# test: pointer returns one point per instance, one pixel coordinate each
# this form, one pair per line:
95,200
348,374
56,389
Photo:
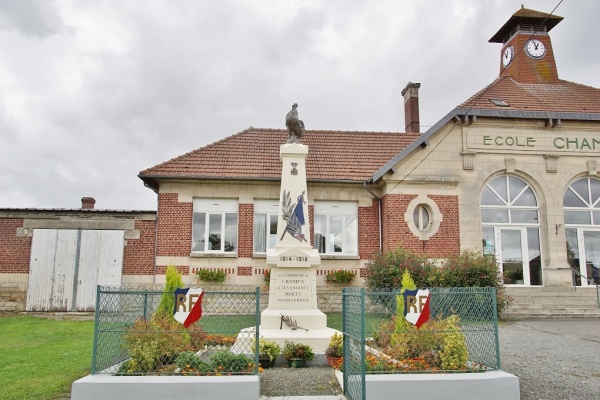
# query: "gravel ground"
556,359
311,381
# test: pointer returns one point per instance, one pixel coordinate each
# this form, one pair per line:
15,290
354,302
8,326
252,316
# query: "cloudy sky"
94,91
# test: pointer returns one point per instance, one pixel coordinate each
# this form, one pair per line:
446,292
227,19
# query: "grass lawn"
42,357
372,322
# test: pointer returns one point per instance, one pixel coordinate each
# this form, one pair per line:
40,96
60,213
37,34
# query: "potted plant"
335,350
339,277
297,354
267,352
211,275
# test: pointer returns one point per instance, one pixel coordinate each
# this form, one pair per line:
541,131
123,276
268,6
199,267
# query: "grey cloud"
30,17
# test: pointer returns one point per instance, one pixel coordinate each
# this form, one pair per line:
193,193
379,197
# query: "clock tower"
527,54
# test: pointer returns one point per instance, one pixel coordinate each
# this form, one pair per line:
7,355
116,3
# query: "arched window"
581,204
510,229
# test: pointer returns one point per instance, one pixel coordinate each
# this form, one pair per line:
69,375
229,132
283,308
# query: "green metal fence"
461,335
354,343
132,338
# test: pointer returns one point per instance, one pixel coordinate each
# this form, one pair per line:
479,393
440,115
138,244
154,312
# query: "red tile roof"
563,96
254,154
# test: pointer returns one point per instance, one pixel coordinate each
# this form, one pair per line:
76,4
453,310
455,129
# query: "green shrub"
340,276
467,269
166,306
267,349
152,343
207,275
414,342
297,350
336,346
227,362
188,361
384,271
454,353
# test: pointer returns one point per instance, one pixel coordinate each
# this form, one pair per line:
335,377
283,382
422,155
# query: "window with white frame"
266,213
421,217
215,226
336,227
511,229
581,204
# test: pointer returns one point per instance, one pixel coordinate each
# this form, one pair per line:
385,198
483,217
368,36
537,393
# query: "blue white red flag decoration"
416,306
293,215
188,305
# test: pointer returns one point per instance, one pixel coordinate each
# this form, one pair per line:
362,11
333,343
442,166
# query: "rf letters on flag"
188,305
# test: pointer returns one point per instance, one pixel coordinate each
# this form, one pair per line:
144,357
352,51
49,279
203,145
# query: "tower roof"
522,17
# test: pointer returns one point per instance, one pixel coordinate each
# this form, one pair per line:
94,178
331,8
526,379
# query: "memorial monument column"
293,262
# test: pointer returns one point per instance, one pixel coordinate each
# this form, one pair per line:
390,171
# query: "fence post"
495,312
257,324
145,305
96,317
363,344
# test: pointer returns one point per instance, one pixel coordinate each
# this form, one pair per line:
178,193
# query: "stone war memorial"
292,313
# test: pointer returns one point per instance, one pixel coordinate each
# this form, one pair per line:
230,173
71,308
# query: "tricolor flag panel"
416,306
188,305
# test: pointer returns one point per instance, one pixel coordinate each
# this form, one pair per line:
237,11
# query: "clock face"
535,48
507,56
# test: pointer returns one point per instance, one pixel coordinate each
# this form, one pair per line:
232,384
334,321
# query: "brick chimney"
87,203
411,108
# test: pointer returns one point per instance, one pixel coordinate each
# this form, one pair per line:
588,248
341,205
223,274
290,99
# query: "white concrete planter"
491,385
109,387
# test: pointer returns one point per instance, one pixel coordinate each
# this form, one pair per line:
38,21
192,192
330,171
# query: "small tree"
400,323
167,301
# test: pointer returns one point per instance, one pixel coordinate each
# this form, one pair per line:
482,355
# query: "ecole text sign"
531,141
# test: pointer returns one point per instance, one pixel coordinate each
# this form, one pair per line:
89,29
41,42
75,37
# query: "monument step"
340,397
302,319
578,302
551,314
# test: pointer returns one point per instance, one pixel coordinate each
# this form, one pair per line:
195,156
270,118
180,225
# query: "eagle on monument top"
294,125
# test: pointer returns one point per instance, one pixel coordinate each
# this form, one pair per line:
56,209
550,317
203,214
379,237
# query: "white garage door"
66,265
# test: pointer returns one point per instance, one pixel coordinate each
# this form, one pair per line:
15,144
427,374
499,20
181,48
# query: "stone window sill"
338,257
213,255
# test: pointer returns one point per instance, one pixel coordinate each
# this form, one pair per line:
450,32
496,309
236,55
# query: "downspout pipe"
380,217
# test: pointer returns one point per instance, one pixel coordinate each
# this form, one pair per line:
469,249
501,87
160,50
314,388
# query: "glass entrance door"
583,251
511,256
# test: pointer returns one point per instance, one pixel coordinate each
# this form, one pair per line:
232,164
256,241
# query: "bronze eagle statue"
294,125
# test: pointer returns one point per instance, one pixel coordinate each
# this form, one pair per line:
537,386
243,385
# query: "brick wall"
138,256
182,269
245,230
14,250
397,234
368,230
174,226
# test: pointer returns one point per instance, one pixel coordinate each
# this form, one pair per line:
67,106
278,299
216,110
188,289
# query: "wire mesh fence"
461,334
354,343
136,333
